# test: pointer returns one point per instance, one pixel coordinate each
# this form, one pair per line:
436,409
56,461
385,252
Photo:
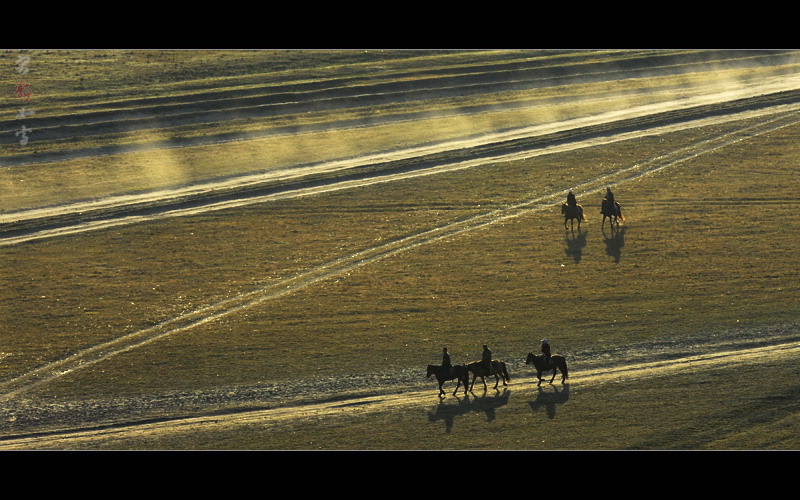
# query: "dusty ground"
133,423
236,415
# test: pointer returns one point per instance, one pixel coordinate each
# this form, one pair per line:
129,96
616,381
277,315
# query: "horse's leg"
539,376
554,375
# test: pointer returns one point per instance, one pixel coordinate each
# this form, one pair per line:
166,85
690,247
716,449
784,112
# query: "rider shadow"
614,243
549,400
486,404
575,245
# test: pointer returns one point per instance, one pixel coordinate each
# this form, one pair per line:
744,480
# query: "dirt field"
291,299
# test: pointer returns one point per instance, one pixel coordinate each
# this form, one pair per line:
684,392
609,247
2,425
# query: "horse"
558,363
478,369
572,213
458,372
613,213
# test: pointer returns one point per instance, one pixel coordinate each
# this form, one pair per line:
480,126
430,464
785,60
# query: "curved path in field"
649,362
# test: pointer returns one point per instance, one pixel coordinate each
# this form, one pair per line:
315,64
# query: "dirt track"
36,224
88,423
222,104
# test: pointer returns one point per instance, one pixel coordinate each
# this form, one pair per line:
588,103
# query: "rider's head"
544,341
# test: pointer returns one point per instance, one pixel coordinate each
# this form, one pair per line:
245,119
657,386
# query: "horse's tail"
619,211
564,369
581,216
505,373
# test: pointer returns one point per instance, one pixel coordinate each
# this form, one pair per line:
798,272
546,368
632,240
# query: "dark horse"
613,213
458,372
557,361
478,369
572,213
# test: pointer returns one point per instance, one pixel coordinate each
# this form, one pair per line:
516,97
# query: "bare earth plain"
276,272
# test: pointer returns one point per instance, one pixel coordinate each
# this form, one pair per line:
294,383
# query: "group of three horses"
499,370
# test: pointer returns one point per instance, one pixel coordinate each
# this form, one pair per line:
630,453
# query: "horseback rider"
448,367
611,202
486,358
571,202
610,196
546,352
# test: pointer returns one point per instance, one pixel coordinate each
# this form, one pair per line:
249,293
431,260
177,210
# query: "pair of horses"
499,370
462,373
612,212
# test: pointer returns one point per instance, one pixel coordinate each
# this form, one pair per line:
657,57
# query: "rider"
610,198
446,362
571,199
546,352
486,358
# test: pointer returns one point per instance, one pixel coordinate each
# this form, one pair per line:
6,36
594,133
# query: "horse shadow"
614,243
575,244
548,400
487,404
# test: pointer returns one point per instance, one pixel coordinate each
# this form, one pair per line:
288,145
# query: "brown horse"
458,372
572,213
614,213
478,369
557,363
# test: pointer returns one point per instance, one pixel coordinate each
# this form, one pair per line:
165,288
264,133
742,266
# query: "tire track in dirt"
416,398
89,356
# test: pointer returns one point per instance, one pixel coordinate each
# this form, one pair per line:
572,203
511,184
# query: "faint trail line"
668,367
389,402
100,352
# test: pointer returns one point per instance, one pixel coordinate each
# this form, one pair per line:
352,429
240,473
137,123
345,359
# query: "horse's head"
530,358
431,370
563,208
